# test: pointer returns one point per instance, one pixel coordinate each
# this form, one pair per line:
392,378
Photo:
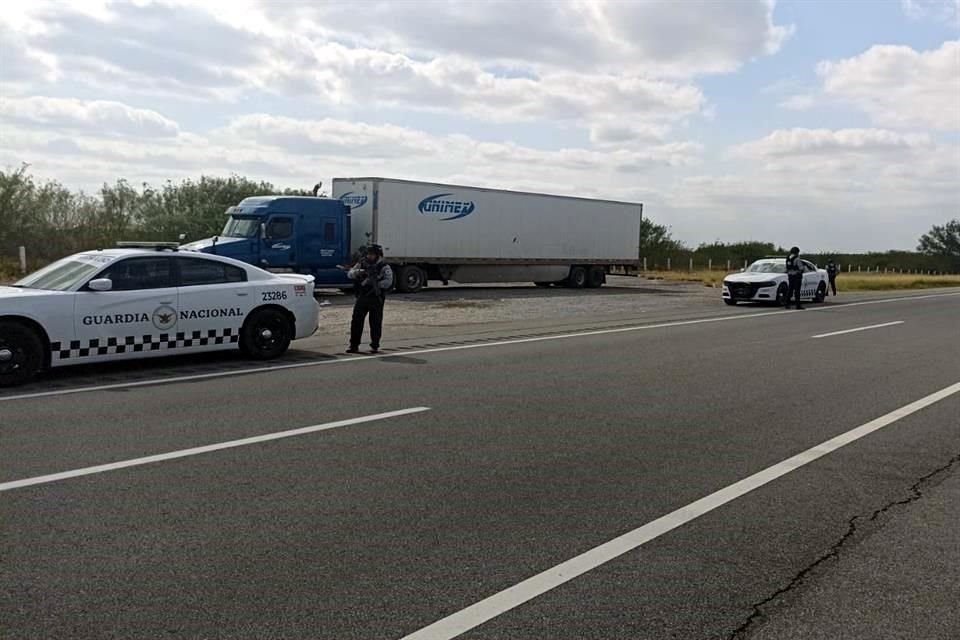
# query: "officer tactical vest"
793,264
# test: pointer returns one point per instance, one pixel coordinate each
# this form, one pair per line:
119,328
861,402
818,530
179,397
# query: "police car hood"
754,277
15,294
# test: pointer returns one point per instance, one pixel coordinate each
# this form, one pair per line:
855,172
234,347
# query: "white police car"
148,300
766,281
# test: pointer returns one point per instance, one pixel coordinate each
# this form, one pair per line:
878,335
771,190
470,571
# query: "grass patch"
845,282
9,272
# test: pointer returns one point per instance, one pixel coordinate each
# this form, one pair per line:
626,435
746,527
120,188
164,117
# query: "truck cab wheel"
266,334
411,279
577,278
21,354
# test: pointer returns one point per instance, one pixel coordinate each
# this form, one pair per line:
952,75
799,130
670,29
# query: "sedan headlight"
764,285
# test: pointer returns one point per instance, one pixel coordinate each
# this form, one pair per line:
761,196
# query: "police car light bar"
159,246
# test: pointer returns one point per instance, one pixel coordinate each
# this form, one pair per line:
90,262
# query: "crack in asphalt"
915,493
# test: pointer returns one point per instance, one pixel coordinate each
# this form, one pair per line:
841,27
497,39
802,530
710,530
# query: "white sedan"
139,302
766,281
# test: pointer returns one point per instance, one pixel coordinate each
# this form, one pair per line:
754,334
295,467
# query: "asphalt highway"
427,487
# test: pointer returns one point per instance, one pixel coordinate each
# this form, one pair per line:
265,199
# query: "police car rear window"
196,271
133,274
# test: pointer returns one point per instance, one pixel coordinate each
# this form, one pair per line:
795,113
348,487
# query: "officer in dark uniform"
372,278
794,276
832,275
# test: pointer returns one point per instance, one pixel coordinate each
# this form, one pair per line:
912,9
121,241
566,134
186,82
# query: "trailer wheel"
596,277
578,278
411,279
21,354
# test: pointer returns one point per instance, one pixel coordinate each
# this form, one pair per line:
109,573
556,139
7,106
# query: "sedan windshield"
768,266
241,227
62,275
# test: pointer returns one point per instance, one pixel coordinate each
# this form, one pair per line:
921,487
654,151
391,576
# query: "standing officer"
832,275
794,276
372,278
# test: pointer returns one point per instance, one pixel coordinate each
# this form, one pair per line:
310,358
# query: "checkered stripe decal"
143,343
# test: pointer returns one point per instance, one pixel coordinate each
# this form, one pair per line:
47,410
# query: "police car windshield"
768,266
62,275
241,227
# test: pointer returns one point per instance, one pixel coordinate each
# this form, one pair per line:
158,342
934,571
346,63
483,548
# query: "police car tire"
821,293
252,343
27,351
782,292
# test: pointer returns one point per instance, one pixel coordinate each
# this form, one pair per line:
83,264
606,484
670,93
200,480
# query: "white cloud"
819,142
900,87
654,37
101,116
292,152
800,102
336,74
946,11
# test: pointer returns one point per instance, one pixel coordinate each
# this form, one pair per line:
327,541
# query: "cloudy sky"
831,124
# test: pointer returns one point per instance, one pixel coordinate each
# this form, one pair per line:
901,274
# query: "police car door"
215,298
135,317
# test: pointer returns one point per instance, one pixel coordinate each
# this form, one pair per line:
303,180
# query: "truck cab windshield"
241,227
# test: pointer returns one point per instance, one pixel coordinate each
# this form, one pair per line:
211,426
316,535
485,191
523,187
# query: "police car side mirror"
101,284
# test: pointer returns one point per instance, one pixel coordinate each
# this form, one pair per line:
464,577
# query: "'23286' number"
271,296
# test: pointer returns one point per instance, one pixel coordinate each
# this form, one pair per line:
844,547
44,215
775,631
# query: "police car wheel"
266,334
782,292
21,354
821,293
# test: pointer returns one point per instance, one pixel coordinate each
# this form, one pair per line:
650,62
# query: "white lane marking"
194,451
867,328
420,352
512,597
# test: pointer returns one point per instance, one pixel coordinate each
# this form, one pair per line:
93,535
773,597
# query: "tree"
656,238
942,240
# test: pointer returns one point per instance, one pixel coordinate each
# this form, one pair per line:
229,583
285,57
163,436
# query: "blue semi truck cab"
299,234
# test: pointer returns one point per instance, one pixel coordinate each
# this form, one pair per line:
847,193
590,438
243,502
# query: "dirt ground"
480,307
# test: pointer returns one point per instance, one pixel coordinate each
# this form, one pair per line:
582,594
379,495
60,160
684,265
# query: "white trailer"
469,235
